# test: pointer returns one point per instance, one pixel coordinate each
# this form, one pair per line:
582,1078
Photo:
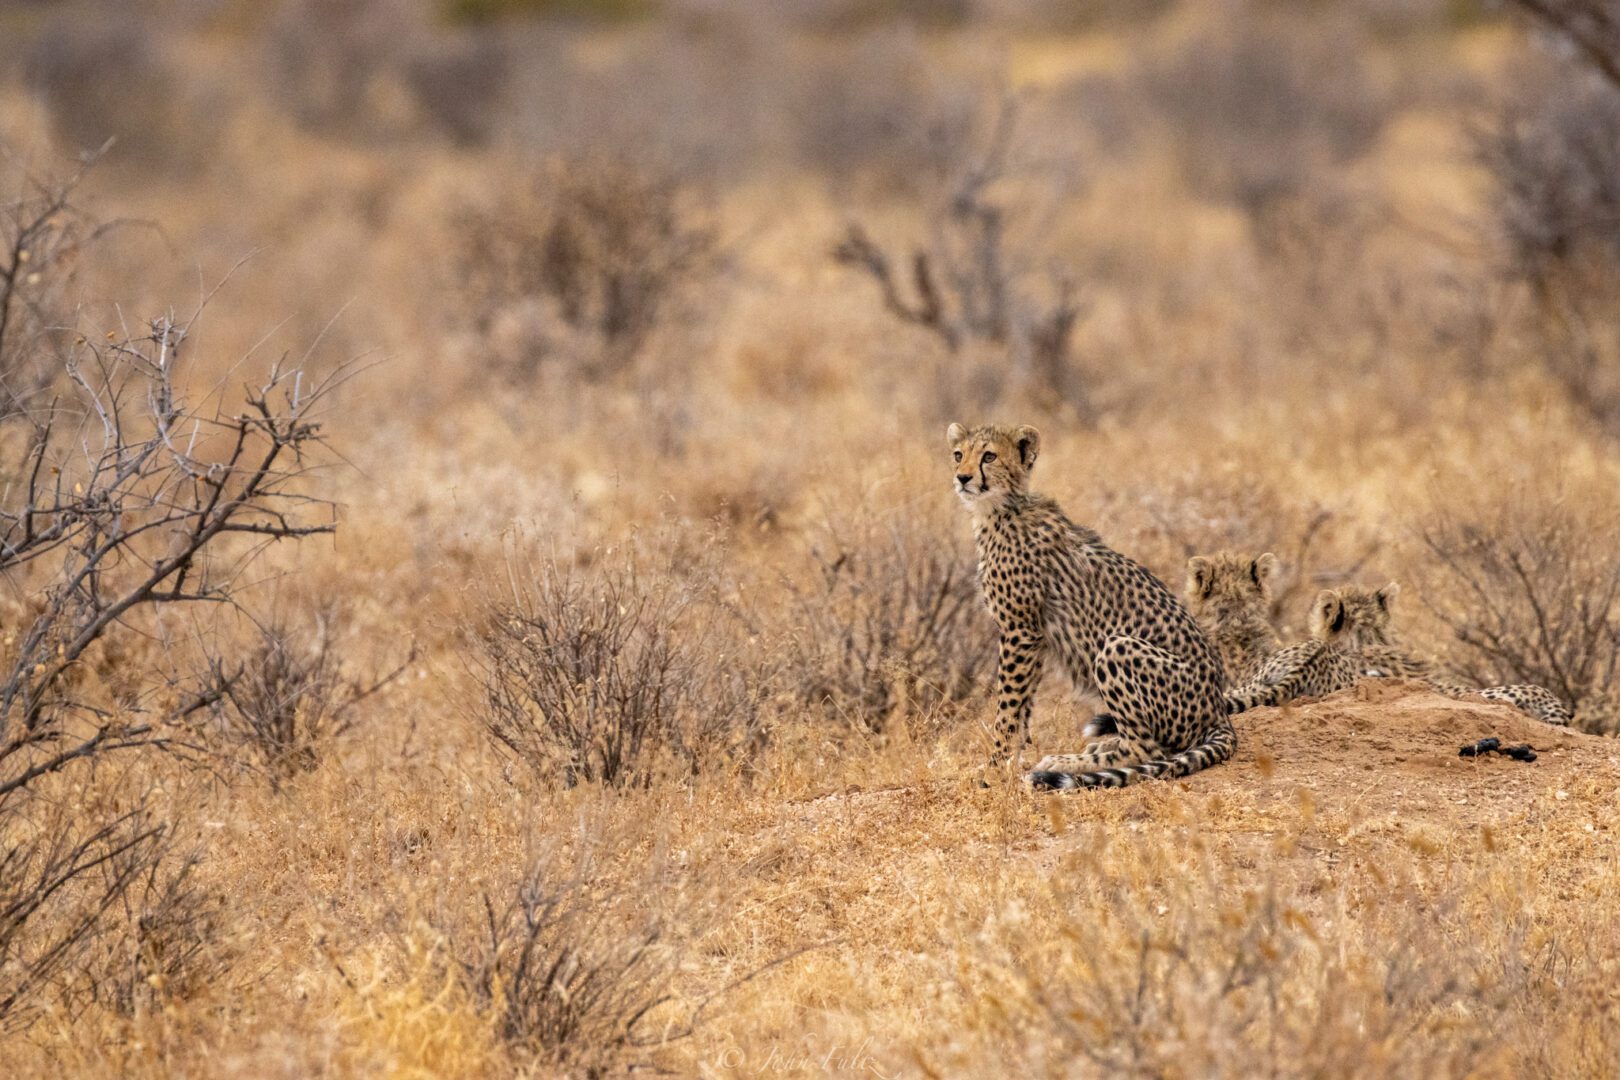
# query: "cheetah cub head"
1224,586
991,462
1355,616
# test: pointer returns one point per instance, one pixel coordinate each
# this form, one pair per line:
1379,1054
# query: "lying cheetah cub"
1328,661
1371,613
1055,589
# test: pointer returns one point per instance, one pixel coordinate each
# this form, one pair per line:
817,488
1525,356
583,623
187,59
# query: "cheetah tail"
1217,746
1255,694
1270,688
1280,681
1534,700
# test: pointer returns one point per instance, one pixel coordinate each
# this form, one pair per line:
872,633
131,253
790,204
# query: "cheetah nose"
963,478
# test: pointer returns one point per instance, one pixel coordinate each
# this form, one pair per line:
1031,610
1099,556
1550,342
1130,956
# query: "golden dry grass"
1346,897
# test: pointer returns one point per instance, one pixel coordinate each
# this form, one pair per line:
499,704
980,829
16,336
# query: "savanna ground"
600,687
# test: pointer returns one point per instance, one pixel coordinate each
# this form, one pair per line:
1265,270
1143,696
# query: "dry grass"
693,563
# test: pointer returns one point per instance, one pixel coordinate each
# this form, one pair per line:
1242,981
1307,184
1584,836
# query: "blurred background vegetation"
638,324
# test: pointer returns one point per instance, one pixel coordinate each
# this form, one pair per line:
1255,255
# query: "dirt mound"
1398,739
1382,723
1370,767
1387,746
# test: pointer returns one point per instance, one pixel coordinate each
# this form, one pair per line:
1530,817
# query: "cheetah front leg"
1018,672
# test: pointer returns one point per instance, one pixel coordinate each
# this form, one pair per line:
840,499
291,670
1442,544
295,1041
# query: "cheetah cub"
1371,613
1230,596
1328,661
1056,590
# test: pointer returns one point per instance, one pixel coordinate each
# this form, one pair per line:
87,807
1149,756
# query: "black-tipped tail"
1217,746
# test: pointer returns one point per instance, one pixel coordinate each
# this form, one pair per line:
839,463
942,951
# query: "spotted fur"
1230,596
1328,661
1371,613
1056,590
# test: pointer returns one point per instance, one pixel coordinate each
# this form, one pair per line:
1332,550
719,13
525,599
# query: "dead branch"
966,284
1591,26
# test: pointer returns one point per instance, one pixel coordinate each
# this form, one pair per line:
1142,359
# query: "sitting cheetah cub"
1372,615
1230,596
1055,589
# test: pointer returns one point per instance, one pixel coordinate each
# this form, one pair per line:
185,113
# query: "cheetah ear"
1029,444
1386,596
955,434
1263,568
1330,611
1198,576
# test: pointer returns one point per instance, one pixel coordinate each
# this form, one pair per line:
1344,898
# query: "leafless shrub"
1553,150
165,946
1555,155
129,490
579,964
59,879
584,957
966,285
1590,27
603,675
289,698
43,236
1257,104
139,497
892,619
121,499
570,975
579,269
1529,586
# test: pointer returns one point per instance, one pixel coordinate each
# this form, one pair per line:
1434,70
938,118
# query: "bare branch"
966,283
1589,25
121,498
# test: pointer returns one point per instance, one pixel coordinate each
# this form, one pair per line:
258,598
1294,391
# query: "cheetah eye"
959,455
989,456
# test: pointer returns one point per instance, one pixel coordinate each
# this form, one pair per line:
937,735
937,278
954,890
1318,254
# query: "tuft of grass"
891,621
607,674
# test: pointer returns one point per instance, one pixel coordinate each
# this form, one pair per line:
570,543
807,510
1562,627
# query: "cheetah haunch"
1055,589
